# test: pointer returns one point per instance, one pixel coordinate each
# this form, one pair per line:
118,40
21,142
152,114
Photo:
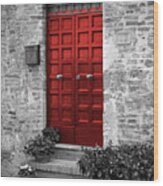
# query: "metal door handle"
78,77
59,76
89,76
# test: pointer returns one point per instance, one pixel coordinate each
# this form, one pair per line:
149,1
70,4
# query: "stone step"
47,174
64,161
68,152
59,166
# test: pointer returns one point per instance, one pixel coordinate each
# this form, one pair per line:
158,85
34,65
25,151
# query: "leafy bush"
42,146
127,162
52,134
39,147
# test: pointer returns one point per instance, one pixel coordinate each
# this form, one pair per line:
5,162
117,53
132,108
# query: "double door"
74,77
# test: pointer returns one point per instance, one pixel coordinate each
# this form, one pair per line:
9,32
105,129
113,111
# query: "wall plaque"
32,55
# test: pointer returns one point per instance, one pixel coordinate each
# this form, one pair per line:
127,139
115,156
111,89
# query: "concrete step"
68,152
64,161
47,174
59,166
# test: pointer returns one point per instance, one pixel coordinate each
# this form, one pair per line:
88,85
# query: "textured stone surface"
23,87
128,72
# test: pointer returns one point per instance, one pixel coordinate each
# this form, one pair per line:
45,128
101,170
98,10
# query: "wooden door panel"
67,23
61,61
67,39
96,70
82,53
83,38
97,37
89,136
82,69
96,54
96,20
53,25
54,117
53,101
53,85
67,100
89,96
84,100
97,101
53,40
83,22
67,70
67,135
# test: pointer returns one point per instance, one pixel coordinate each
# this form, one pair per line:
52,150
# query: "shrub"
127,162
52,134
39,147
42,146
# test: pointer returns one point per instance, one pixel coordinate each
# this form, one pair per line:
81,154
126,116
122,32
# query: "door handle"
78,77
89,76
59,76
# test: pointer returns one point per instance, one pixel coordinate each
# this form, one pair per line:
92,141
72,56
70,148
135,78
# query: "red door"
74,77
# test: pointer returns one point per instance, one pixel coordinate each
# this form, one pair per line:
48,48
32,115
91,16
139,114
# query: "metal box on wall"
32,56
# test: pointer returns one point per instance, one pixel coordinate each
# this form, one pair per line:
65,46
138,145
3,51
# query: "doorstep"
58,166
64,161
71,147
68,151
46,174
68,147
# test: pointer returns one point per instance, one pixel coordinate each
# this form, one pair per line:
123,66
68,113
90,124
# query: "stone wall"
23,87
128,72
